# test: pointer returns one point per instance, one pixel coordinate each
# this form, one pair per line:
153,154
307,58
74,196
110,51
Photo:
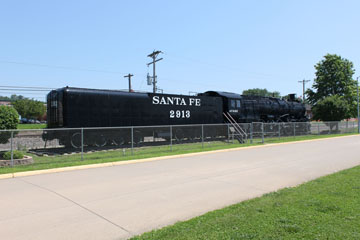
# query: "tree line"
12,98
25,107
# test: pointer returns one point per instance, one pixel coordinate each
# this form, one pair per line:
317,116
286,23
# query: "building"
5,103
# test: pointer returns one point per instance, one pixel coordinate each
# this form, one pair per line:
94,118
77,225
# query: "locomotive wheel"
138,138
100,141
191,137
271,125
76,140
118,141
179,135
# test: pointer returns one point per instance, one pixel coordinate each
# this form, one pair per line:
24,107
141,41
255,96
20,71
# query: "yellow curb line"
110,164
7,175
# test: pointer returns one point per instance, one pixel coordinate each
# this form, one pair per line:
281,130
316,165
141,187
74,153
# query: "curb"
118,163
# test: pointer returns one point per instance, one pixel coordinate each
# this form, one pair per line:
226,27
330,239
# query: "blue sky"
208,45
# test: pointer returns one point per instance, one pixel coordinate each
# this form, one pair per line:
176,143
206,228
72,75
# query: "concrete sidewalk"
121,201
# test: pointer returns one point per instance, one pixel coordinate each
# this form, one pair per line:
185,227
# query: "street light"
357,90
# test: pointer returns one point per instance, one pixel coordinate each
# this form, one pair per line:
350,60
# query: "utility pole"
129,76
357,90
154,55
303,82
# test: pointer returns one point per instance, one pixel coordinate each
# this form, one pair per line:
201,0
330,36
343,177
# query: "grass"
48,162
31,126
326,208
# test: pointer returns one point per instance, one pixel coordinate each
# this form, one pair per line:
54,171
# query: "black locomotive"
86,108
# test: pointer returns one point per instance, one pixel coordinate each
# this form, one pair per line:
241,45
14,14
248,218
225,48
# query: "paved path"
118,202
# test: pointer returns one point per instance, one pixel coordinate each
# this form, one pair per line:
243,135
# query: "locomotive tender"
84,108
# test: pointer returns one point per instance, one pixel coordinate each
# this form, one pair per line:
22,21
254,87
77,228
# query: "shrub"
9,119
331,108
16,155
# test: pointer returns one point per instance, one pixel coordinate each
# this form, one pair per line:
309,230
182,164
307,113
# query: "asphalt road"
121,201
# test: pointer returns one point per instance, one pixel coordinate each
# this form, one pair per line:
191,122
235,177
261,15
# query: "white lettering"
170,100
176,101
155,100
172,114
191,101
163,101
183,102
197,102
180,114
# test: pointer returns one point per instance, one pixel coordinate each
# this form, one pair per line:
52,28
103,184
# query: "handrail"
237,124
229,120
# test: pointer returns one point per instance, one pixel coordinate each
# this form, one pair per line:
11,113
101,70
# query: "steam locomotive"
86,108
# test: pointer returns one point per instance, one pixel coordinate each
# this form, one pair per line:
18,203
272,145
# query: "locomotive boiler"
246,109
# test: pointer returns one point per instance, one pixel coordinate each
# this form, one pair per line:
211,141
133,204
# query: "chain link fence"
61,146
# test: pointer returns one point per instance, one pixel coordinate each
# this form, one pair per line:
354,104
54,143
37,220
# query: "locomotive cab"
232,104
234,108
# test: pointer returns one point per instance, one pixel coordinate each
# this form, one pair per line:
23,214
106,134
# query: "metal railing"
237,129
121,142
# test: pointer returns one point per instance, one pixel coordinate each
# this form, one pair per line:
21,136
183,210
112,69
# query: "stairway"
235,129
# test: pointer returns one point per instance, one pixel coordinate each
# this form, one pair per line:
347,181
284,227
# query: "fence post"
329,127
251,132
228,132
11,148
318,128
294,129
132,140
82,144
202,135
353,126
347,126
170,138
262,132
279,130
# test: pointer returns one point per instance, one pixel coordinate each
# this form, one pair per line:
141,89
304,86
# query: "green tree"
4,98
29,108
9,119
15,97
334,77
331,108
261,92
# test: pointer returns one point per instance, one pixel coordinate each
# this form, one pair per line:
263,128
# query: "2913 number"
180,114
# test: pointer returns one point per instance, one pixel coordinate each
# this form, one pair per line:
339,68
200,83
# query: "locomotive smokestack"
292,96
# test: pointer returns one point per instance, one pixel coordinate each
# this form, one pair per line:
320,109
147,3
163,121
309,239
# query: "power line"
59,67
24,90
223,66
154,78
5,92
45,88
